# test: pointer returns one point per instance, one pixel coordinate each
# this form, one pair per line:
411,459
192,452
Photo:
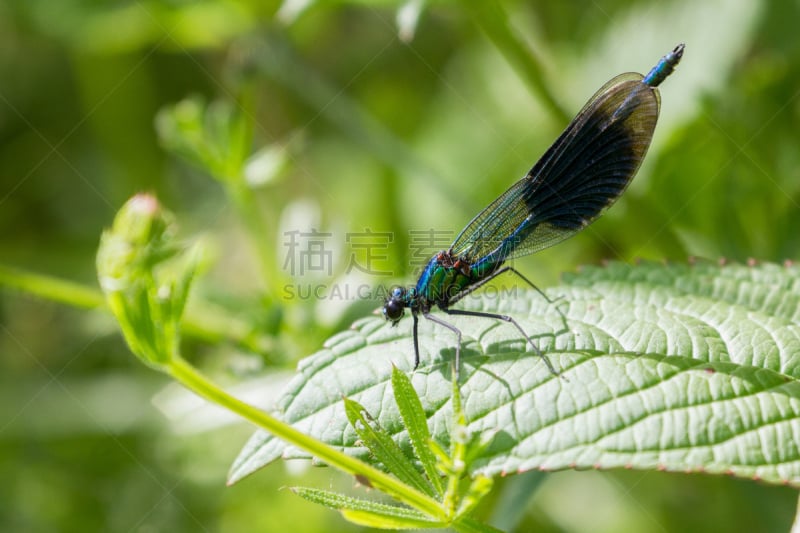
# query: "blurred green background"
392,117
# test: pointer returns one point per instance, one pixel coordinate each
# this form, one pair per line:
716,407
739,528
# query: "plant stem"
50,288
207,326
192,379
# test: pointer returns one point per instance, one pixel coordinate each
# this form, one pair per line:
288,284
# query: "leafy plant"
146,281
689,368
457,500
671,367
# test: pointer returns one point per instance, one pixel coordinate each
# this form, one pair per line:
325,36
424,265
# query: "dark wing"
579,176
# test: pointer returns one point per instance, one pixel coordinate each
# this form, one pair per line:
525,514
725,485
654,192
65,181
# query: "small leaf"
379,521
216,136
385,449
368,513
478,488
337,501
416,424
478,445
689,368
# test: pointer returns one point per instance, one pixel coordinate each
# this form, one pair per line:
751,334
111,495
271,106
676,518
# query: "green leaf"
478,488
689,368
416,423
213,136
378,521
386,451
367,512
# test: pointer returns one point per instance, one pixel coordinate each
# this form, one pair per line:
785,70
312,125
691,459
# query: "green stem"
188,376
206,326
50,288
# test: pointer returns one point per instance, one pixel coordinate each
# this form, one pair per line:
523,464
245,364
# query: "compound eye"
398,293
393,309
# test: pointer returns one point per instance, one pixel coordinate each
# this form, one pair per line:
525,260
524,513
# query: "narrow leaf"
384,448
366,512
379,521
478,488
337,501
416,423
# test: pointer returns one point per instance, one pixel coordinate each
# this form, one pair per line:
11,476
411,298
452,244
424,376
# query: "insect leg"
512,270
455,330
484,281
416,341
540,291
504,318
